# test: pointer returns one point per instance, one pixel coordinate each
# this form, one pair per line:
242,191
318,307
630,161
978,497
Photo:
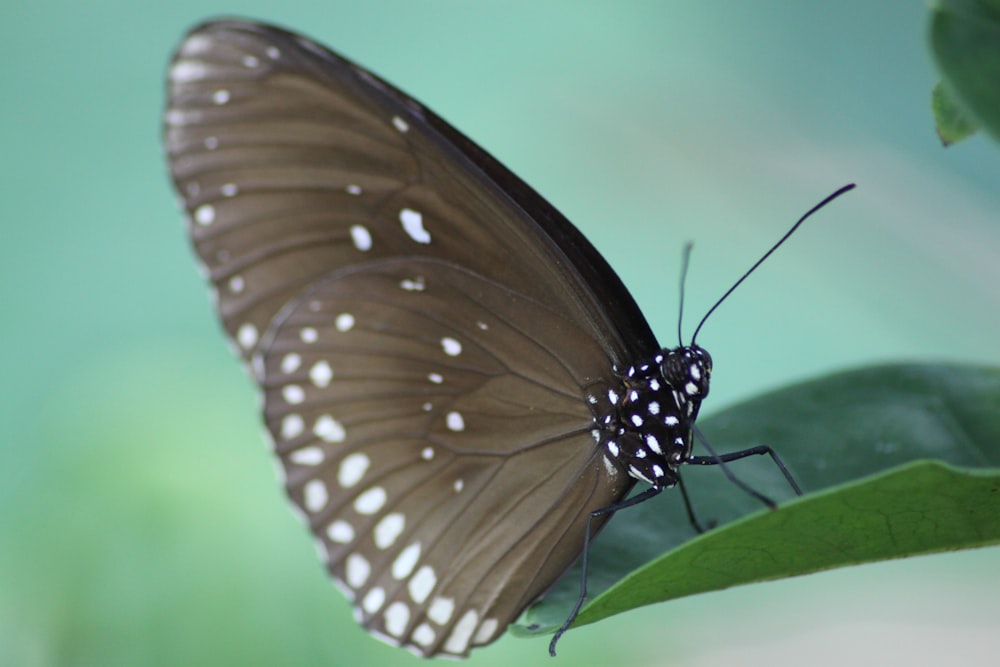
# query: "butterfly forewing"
430,335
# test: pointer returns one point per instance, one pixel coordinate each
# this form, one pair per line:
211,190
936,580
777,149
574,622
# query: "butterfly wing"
430,335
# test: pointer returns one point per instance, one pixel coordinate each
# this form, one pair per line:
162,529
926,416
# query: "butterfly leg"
722,460
585,562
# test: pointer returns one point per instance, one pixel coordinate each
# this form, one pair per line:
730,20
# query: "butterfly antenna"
685,258
830,198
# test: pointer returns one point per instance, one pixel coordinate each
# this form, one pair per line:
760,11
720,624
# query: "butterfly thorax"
647,428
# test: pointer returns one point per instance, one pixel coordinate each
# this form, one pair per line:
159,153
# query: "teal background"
140,521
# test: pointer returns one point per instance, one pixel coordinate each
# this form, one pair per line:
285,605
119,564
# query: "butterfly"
458,387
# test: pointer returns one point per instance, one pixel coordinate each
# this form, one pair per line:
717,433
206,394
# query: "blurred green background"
140,520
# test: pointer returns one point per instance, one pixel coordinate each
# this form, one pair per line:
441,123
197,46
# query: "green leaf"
965,42
895,460
952,122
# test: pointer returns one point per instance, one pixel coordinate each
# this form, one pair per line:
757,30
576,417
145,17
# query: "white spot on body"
396,618
653,444
307,456
613,448
400,124
314,495
344,322
406,561
671,420
340,531
293,394
637,420
691,389
321,373
694,372
440,610
247,336
356,570
388,529
613,396
654,384
292,426
308,335
413,225
461,634
451,346
329,429
362,238
204,214
657,470
654,408
371,501
455,421
422,583
352,469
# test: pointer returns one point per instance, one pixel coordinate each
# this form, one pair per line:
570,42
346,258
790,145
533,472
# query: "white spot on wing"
424,635
400,124
396,618
307,456
353,189
451,346
356,570
413,225
427,453
308,335
344,322
204,214
329,429
352,469
290,362
220,96
321,373
441,610
461,634
273,52
292,426
374,600
422,583
340,531
388,529
455,421
414,285
435,378
236,284
314,495
371,501
185,70
293,394
362,238
406,561
247,336
486,631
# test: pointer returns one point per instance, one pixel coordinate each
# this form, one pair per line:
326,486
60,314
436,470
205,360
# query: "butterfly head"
687,370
